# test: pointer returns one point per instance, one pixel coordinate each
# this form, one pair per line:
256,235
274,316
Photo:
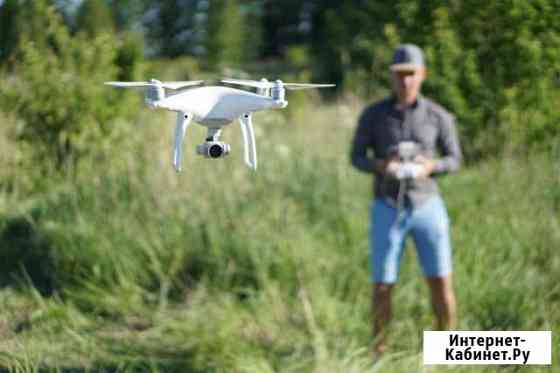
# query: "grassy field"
128,266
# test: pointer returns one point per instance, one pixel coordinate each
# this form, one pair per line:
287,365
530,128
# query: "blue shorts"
429,227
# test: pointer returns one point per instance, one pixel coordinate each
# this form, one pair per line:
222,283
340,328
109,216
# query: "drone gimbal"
212,147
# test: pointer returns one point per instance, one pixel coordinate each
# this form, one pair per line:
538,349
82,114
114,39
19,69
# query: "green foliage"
181,68
494,64
151,270
128,266
128,13
505,60
58,90
329,55
172,28
94,17
252,29
129,56
224,44
8,29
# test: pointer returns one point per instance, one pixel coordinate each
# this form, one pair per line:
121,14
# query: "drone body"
215,107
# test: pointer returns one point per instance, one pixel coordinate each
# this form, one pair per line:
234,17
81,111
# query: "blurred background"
110,261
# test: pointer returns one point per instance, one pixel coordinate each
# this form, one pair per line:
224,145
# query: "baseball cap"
407,57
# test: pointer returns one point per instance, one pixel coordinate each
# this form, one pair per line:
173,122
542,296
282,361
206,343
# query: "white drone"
215,107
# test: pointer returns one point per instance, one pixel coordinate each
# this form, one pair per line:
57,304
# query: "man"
406,194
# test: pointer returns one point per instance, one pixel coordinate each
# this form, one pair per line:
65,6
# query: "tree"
127,14
224,43
8,29
285,23
252,12
58,93
94,17
170,27
494,64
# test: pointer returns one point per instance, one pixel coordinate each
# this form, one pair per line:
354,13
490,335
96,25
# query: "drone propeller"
155,83
296,86
265,84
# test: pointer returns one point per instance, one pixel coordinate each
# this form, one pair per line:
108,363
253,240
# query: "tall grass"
128,266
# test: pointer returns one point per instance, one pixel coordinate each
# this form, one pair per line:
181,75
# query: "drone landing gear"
183,121
249,140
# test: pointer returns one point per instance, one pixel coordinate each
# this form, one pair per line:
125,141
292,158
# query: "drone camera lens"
215,151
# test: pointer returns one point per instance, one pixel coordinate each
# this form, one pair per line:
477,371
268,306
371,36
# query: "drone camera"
213,149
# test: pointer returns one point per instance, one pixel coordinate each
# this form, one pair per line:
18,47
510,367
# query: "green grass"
128,266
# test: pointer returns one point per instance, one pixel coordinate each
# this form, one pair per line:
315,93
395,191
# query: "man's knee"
382,291
441,284
443,301
442,291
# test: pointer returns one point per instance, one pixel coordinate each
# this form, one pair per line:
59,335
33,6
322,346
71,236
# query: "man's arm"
448,141
360,145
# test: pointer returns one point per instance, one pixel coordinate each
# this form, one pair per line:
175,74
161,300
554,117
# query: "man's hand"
387,166
428,165
393,168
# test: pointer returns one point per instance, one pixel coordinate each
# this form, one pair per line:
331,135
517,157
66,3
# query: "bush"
493,64
57,90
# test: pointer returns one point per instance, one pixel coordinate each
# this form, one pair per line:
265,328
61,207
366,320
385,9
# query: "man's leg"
381,312
386,248
430,230
443,301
